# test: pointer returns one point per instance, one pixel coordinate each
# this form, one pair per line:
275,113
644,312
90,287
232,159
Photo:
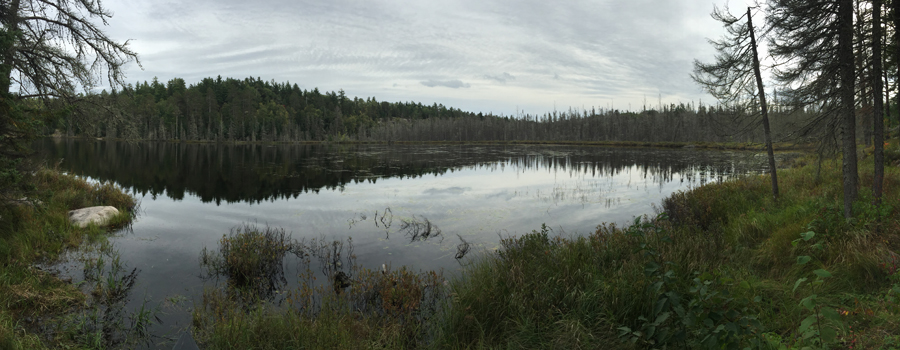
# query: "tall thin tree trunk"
887,90
762,103
878,113
847,110
11,22
896,18
867,114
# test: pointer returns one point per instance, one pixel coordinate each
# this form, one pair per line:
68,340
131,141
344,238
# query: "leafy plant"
819,328
830,219
704,316
891,342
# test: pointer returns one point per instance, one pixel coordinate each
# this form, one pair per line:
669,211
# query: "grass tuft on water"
250,259
351,307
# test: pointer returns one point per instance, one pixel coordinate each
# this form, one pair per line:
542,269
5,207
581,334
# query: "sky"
490,56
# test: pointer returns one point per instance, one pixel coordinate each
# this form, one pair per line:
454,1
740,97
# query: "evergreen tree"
736,74
814,41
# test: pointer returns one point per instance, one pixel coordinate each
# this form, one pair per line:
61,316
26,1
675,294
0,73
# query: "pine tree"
814,42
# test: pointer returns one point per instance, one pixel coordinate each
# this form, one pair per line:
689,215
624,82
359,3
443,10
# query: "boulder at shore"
98,215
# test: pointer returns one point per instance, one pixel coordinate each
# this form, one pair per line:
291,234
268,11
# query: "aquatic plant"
419,229
250,259
105,322
351,307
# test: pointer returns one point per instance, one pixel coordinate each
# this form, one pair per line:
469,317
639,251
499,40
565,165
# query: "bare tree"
50,50
58,48
733,76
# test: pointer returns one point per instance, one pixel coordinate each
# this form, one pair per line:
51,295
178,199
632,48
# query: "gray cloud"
502,78
576,53
453,84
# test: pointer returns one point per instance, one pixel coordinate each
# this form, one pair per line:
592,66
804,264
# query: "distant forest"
225,110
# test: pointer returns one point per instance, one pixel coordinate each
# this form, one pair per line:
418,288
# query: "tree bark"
896,19
878,113
11,22
865,88
847,106
764,109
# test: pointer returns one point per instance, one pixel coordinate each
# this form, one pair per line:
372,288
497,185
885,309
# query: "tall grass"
349,307
39,231
250,259
541,292
721,256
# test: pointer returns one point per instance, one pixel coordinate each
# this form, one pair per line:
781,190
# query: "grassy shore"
724,267
38,230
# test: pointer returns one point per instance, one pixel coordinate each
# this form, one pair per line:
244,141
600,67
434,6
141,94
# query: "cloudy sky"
477,55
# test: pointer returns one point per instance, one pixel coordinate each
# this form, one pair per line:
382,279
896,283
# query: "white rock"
98,215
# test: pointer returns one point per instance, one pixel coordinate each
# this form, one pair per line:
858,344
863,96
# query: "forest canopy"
227,109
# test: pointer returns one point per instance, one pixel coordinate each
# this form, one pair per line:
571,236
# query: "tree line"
836,65
217,109
254,110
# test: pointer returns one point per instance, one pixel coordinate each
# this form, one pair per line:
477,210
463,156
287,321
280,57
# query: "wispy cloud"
501,78
453,84
532,56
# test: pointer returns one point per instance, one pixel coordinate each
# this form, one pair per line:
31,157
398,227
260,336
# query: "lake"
412,205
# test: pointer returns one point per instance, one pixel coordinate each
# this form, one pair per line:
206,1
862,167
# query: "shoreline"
741,245
36,306
735,146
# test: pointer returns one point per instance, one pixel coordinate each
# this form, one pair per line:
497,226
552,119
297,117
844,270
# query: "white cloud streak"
484,56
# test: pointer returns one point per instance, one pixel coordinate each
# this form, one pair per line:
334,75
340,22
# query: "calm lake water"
192,194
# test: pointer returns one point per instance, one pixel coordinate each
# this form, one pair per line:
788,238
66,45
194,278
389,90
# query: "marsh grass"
250,259
37,230
336,304
105,322
723,253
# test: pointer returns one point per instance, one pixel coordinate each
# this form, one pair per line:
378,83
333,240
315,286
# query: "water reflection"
109,317
255,173
399,205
